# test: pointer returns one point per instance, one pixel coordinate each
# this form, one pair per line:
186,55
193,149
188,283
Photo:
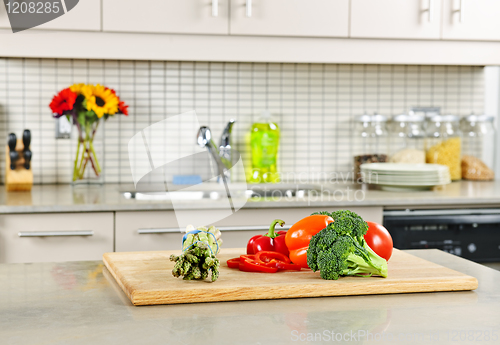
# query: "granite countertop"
80,303
109,197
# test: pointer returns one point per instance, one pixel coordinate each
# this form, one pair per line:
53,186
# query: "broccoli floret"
352,223
322,213
340,249
338,214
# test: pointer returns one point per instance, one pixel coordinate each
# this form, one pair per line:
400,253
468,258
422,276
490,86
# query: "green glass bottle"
264,144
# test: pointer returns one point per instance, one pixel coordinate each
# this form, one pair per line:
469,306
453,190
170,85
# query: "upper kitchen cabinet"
408,19
314,18
85,16
471,20
167,16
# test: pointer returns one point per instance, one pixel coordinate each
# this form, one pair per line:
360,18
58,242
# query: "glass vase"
87,167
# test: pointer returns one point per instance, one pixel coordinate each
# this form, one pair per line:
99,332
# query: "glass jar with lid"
406,139
370,140
443,144
478,153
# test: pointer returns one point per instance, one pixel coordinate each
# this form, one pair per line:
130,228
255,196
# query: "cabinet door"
156,230
471,19
4,20
167,16
85,16
408,19
55,237
320,18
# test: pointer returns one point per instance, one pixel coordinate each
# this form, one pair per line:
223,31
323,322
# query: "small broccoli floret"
322,213
340,249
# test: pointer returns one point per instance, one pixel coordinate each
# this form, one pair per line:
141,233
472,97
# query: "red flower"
123,108
63,101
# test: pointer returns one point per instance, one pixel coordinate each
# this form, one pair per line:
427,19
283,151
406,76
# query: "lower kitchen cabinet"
53,237
158,230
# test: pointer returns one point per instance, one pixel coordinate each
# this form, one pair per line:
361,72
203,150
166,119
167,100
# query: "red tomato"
379,240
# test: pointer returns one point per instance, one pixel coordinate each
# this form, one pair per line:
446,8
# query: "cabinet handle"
431,11
55,233
249,8
221,228
460,11
215,8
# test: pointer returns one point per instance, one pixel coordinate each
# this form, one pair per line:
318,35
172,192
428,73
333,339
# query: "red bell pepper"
298,237
272,241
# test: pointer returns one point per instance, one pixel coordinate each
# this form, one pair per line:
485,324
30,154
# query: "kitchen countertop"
109,197
80,303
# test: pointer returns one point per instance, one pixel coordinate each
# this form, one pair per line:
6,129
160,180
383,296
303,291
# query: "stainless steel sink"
216,192
175,195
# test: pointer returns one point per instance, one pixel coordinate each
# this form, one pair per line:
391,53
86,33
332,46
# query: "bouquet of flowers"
87,104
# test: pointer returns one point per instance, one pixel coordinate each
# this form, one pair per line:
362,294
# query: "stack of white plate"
399,176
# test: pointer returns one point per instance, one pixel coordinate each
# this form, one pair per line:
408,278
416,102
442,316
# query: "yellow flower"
100,100
87,90
77,88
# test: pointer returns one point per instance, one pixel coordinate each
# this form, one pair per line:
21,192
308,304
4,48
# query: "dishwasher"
473,234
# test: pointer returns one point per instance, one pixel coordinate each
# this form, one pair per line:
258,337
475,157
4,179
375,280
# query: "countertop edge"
393,204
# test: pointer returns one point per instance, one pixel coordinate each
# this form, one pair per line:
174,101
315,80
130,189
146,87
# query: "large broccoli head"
340,249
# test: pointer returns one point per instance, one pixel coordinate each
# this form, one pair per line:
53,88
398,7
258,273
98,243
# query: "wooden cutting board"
146,279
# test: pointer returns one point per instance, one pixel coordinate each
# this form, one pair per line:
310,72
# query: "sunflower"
100,100
77,88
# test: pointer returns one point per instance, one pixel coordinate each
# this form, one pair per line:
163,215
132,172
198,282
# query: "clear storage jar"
406,139
478,153
443,143
370,140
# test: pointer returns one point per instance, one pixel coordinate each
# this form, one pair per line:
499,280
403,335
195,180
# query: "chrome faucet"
222,154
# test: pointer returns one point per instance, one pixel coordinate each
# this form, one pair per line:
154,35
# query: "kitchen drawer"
156,230
55,237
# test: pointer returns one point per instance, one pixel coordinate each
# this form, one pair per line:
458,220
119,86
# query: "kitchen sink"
216,192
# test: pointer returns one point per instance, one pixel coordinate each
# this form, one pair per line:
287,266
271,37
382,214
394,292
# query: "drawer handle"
222,228
55,233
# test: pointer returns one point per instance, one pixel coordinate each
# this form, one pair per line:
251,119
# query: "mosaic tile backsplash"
312,103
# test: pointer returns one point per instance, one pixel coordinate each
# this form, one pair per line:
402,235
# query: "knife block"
20,179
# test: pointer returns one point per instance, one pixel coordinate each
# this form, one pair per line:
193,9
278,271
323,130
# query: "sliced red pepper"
247,257
287,267
268,256
255,266
233,263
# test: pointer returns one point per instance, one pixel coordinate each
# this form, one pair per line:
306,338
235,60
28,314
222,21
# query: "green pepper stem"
272,233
